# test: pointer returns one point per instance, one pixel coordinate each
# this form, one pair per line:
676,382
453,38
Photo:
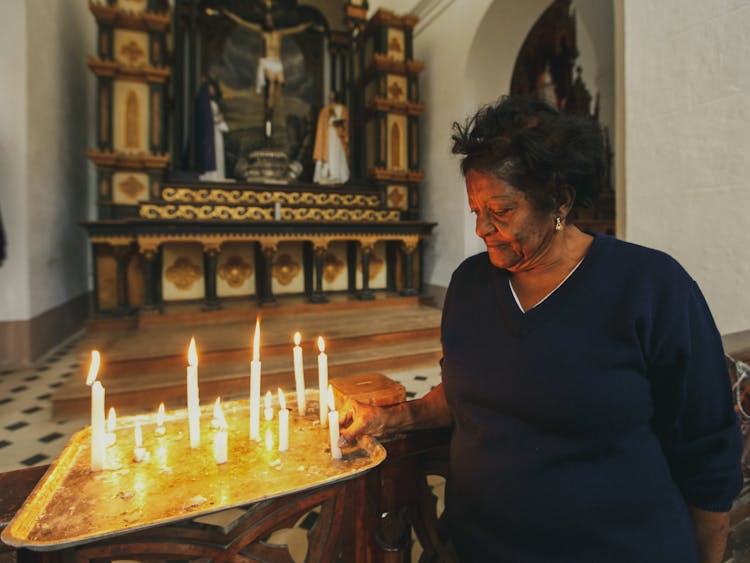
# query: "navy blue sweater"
584,427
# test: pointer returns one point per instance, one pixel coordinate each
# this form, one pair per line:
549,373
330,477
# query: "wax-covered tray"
73,505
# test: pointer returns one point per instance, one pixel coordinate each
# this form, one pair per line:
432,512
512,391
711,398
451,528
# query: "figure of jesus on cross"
270,68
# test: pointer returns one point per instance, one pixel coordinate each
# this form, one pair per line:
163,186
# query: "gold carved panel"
335,271
130,116
131,47
182,272
136,6
397,86
396,46
377,267
396,137
398,197
106,277
129,188
286,273
236,270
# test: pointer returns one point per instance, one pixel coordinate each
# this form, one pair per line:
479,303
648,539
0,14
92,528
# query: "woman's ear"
564,200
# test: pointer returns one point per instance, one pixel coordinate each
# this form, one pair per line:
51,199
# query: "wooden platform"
144,360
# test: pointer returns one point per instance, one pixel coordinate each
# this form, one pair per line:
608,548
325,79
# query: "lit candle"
268,412
193,400
220,439
218,414
111,426
299,375
322,380
283,423
98,437
333,426
255,385
269,439
139,452
160,430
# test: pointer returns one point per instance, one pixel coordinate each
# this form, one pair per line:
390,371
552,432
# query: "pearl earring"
558,223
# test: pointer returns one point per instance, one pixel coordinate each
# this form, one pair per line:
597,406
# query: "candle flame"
256,340
269,399
111,420
160,415
331,404
94,367
282,400
138,434
297,338
192,353
321,344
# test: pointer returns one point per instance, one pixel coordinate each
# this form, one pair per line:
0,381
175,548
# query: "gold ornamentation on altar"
394,45
132,52
397,197
395,90
332,215
285,269
332,267
183,273
244,213
131,187
235,271
223,195
132,132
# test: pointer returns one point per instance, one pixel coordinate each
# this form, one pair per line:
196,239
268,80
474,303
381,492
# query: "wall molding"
24,342
428,11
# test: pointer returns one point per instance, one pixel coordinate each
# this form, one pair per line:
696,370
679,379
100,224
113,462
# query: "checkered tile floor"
29,435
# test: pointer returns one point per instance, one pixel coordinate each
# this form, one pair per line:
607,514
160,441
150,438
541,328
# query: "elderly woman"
584,376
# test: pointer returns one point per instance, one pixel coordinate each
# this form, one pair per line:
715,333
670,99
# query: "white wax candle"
98,437
193,400
299,375
220,446
111,426
268,412
333,426
160,430
255,386
283,423
269,439
322,381
139,452
268,128
218,414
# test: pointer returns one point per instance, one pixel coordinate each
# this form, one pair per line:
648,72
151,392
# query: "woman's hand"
357,419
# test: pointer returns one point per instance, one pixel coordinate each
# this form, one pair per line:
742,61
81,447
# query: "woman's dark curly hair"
534,148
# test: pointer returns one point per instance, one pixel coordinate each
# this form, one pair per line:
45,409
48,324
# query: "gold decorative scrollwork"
235,271
223,195
332,267
183,273
317,214
132,51
285,269
224,212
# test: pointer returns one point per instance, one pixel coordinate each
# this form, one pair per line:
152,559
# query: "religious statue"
270,68
331,150
210,128
545,88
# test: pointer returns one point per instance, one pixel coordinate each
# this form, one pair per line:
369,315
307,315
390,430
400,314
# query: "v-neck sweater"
584,426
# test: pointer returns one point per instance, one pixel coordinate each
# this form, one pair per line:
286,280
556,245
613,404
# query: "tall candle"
160,430
255,385
268,412
193,400
139,452
269,439
220,439
322,380
299,375
111,426
283,423
98,438
333,426
218,414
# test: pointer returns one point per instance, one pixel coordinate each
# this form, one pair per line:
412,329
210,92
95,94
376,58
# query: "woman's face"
516,233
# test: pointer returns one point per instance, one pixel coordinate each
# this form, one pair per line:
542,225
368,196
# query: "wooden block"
371,388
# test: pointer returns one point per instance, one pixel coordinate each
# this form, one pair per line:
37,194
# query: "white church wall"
14,202
687,114
60,38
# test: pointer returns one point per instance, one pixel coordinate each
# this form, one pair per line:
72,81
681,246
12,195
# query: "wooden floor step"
142,392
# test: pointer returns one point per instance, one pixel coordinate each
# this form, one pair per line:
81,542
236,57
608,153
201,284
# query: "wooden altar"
163,236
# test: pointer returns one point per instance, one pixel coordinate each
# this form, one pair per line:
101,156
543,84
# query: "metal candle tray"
72,505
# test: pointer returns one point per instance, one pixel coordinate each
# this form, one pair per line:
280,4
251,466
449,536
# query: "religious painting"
267,101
